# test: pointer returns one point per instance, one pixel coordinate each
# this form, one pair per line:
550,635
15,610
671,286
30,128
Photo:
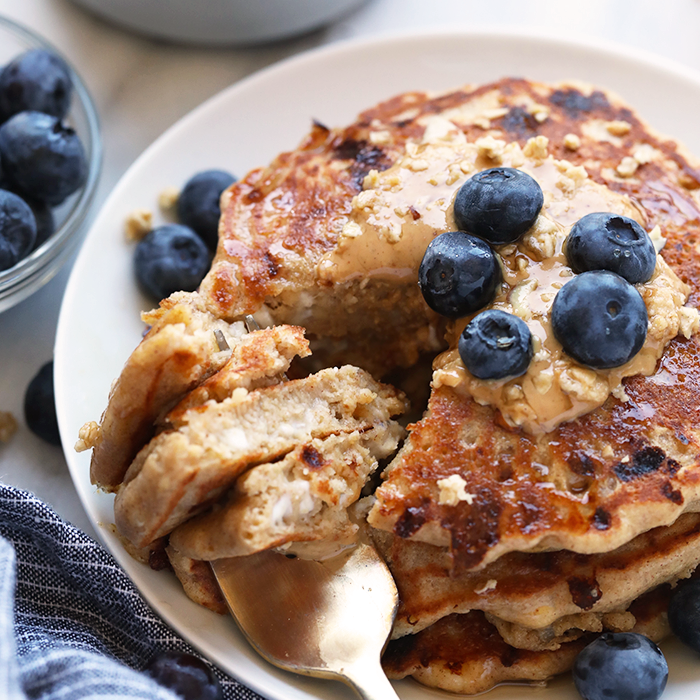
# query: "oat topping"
536,147
618,128
572,142
627,167
87,436
167,200
453,490
138,223
8,426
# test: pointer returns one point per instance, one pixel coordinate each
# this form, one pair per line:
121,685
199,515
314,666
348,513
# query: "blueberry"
495,345
40,407
17,229
184,674
622,666
600,319
605,241
198,203
169,259
499,204
684,614
41,157
459,274
43,215
36,81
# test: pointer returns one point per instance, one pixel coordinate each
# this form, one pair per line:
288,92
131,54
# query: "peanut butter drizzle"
403,208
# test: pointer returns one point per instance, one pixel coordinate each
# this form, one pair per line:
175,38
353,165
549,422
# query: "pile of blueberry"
175,257
599,317
42,160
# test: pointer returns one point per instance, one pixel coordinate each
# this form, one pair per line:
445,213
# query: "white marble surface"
141,87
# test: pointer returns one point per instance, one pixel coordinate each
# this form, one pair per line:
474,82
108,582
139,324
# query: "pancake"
465,653
304,497
589,484
536,590
191,464
177,353
282,224
519,518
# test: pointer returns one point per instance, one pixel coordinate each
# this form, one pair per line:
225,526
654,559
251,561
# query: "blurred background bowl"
219,22
32,272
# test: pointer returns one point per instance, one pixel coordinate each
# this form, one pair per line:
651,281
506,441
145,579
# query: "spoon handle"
371,683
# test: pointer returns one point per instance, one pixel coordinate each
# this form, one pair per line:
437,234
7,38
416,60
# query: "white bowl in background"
221,21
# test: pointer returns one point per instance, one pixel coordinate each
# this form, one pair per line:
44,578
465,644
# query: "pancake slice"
189,466
303,497
178,352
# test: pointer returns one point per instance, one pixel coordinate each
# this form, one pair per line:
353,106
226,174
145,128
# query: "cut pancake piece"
178,352
588,486
190,466
466,654
260,359
303,497
537,590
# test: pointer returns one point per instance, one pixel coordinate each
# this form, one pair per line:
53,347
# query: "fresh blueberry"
499,204
603,241
40,407
198,203
184,674
600,319
495,345
684,614
169,259
622,666
459,274
17,229
41,157
43,215
36,81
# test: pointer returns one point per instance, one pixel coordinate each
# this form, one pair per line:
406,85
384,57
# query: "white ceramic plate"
243,127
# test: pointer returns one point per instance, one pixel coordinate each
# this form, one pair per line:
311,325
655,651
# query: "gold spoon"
328,619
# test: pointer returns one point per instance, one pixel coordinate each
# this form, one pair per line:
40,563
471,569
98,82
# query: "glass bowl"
30,273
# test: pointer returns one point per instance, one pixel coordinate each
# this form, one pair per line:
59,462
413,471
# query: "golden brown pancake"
191,464
623,468
536,590
465,654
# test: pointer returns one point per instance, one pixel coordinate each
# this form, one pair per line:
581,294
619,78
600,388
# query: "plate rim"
548,40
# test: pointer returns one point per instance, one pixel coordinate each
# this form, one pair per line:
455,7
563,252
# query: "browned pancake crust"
465,653
535,590
300,202
592,496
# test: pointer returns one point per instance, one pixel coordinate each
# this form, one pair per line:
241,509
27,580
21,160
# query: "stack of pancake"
511,546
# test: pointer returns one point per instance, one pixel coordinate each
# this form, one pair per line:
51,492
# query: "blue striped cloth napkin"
72,625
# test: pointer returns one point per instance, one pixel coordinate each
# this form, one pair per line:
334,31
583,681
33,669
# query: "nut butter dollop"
401,209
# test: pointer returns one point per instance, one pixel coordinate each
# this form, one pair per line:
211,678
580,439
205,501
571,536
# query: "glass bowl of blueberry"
50,157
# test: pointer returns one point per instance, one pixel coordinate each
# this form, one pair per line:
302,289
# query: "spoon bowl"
328,618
